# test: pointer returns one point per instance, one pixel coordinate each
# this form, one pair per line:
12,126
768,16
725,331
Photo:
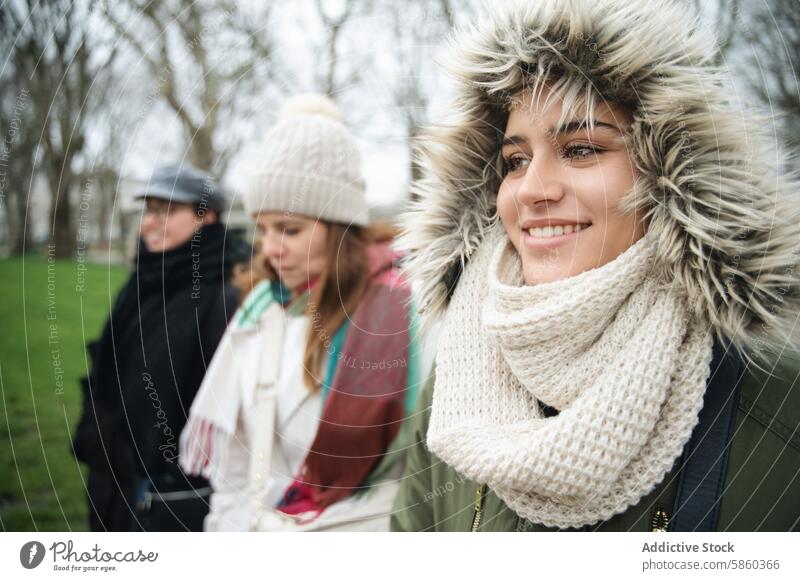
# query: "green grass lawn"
49,310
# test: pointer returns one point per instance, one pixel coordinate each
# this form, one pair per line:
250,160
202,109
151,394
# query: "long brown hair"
336,295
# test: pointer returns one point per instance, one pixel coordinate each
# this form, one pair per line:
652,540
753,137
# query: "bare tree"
52,49
725,16
19,134
17,160
334,24
408,90
447,11
209,61
417,28
102,177
333,27
773,37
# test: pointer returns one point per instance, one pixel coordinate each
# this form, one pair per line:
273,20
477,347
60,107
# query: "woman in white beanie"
296,424
611,251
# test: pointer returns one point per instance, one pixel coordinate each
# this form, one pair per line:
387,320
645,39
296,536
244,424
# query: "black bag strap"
705,458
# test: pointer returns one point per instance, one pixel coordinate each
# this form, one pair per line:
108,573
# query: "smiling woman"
562,186
607,257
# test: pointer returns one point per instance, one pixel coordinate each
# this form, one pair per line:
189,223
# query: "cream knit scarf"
616,354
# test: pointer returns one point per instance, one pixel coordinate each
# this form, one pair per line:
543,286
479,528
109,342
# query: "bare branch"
774,37
194,81
447,10
123,31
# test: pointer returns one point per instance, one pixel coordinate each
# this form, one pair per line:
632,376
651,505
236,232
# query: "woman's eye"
291,231
580,151
514,163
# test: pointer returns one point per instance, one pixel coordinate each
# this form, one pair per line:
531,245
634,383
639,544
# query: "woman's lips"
551,236
283,270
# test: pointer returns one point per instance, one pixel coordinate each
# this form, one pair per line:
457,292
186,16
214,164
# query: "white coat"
236,369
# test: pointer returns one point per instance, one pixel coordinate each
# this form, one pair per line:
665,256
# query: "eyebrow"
579,125
280,224
569,127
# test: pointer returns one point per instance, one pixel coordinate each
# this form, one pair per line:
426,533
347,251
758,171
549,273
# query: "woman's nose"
271,245
543,182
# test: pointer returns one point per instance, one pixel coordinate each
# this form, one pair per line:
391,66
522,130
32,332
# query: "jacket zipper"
476,520
660,521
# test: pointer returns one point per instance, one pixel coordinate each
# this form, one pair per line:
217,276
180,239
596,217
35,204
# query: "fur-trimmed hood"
726,221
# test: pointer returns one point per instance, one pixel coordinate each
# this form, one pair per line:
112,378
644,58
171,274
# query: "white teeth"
551,231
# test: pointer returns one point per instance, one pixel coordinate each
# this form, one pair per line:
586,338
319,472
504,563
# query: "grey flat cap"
185,183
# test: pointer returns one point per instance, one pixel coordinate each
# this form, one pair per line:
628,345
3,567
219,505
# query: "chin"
289,283
533,275
160,247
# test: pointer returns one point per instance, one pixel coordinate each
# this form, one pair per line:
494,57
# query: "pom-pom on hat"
309,165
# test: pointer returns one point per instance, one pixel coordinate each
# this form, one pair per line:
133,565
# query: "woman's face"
167,225
561,189
294,246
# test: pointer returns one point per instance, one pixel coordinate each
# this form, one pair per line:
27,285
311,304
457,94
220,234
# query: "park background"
94,94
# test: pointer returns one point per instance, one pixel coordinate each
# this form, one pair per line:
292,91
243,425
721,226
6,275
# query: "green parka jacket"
761,486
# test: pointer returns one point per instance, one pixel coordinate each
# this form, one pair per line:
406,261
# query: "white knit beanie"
309,165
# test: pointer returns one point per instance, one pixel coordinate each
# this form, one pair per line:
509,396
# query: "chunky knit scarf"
616,354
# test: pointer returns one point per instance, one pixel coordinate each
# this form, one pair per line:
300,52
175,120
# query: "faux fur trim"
727,222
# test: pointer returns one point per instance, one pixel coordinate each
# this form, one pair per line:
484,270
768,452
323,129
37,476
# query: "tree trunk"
201,149
415,168
19,227
62,234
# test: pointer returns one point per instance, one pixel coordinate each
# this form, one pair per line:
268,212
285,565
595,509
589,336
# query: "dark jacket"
761,490
146,369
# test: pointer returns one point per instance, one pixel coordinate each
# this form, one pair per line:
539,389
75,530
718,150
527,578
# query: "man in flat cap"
151,357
